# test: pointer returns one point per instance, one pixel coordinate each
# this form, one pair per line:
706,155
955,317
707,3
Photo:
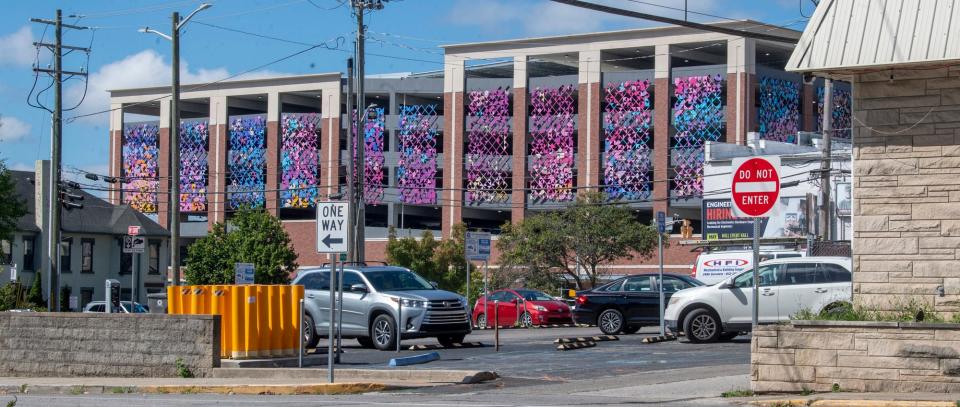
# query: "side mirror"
359,288
515,300
726,284
435,285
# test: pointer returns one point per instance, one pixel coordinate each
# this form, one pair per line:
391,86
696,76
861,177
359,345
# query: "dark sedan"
626,304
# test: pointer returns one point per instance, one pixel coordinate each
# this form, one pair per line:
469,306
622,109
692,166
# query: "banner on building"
789,219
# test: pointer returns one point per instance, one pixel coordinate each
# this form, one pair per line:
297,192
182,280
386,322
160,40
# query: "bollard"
496,325
399,321
300,354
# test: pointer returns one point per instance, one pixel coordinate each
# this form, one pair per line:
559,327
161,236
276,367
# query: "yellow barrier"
256,320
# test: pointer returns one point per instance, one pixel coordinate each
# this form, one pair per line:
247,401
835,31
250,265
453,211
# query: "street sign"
661,222
478,245
134,244
755,185
331,227
74,302
133,230
13,272
243,273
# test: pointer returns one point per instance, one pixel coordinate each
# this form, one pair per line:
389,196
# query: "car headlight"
408,303
674,300
540,308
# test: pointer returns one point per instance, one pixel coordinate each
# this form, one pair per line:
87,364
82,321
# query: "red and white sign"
755,186
133,230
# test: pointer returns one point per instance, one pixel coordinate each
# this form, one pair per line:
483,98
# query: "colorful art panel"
141,176
373,147
487,158
697,118
246,162
779,114
299,160
627,127
194,144
551,144
417,168
842,113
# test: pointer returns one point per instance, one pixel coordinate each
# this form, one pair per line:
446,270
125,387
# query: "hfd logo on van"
725,263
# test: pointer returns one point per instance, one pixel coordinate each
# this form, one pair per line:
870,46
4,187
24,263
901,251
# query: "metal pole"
361,134
135,281
56,146
174,199
351,169
825,164
339,311
330,321
300,354
467,264
496,326
399,321
756,270
486,276
663,327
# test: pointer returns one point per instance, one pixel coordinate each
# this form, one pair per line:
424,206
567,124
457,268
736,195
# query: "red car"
526,306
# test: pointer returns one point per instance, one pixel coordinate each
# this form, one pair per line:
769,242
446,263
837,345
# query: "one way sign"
331,227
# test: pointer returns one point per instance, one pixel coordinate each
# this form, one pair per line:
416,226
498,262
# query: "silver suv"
372,298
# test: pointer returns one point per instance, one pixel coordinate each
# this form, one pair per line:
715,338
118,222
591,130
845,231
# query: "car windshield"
397,280
534,295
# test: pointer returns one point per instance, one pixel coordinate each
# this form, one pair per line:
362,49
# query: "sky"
409,31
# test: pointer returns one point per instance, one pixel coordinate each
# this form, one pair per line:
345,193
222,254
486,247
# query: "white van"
714,267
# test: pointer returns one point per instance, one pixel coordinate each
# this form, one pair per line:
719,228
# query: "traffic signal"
113,295
67,197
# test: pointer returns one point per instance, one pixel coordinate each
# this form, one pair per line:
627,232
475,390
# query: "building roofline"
232,84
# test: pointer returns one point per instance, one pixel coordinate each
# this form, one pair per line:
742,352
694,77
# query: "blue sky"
410,30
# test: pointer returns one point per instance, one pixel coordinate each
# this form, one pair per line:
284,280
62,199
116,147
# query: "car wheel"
310,337
383,331
526,320
482,321
726,336
365,342
630,329
450,340
701,325
610,321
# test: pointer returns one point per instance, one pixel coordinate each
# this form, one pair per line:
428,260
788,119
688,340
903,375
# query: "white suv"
787,286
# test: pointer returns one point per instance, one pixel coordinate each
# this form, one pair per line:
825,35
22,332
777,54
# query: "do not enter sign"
755,186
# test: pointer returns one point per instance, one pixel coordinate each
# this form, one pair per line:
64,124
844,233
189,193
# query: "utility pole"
825,162
56,144
351,170
359,8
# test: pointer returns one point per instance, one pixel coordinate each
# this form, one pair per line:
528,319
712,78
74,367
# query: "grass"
835,388
737,393
183,370
23,388
806,392
12,403
121,390
77,390
899,310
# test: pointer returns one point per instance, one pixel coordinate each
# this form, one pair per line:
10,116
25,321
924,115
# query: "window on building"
66,245
126,263
86,256
28,248
86,295
6,252
124,294
154,267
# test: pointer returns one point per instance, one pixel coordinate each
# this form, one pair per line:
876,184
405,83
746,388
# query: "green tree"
35,295
12,295
441,261
591,232
12,206
253,236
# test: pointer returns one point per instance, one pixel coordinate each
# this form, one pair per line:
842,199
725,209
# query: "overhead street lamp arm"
152,31
202,7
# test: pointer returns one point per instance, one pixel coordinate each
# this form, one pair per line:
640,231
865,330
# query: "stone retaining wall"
124,345
858,356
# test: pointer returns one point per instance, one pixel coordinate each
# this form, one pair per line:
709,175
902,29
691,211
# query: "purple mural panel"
417,168
779,113
551,144
373,170
140,166
842,113
246,162
194,136
627,126
697,118
299,160
487,161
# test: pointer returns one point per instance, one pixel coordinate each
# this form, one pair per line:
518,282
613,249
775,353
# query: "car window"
788,255
99,308
835,273
497,296
769,275
638,284
349,279
318,280
673,284
509,296
801,273
614,286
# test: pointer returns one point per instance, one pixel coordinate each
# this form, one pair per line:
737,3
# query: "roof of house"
96,217
849,35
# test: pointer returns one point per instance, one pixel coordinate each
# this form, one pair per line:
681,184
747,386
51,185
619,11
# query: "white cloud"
13,129
143,69
16,49
18,166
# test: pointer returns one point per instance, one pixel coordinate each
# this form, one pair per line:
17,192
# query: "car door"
736,302
509,307
316,289
838,286
354,307
798,290
640,301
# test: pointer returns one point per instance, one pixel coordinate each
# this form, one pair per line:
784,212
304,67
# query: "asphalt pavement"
533,373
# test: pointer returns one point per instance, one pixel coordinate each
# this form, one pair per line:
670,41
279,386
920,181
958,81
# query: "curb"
852,403
360,375
246,389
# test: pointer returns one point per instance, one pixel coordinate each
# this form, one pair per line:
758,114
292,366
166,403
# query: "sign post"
243,273
755,189
134,245
661,229
332,228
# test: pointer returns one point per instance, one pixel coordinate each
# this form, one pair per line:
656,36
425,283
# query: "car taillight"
581,300
693,270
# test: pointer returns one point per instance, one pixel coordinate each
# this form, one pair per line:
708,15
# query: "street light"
174,198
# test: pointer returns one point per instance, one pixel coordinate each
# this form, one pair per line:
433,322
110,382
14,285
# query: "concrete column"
163,188
217,161
809,108
116,151
662,90
518,197
588,129
330,140
451,198
741,88
272,158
